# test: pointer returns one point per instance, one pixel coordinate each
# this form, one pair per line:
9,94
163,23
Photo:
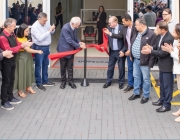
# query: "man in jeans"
41,36
142,63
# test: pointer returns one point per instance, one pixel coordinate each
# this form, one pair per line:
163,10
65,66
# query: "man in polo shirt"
41,36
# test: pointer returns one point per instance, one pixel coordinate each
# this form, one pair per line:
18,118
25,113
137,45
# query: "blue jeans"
138,73
130,72
41,64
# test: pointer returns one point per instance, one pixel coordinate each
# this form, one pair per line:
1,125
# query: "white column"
130,8
3,14
47,9
175,10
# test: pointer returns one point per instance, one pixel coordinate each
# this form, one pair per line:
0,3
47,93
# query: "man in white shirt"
41,36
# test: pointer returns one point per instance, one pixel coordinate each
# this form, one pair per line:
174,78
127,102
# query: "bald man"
116,54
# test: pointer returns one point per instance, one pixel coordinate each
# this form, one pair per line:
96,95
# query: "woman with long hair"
175,54
24,73
58,15
101,23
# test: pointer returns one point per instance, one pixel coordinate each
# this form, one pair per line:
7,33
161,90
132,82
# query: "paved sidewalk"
86,113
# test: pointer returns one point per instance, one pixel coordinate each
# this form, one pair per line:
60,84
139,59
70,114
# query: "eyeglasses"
165,14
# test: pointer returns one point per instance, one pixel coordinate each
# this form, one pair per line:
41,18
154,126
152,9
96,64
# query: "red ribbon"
102,48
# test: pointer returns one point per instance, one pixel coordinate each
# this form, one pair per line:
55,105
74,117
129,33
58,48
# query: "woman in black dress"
58,15
101,23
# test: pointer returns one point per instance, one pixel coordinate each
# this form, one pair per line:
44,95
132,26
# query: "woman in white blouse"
175,54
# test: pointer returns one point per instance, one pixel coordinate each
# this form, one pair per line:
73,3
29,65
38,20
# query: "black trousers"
100,35
166,88
59,18
67,64
113,58
8,76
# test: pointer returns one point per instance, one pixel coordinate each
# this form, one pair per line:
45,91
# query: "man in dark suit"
127,33
165,63
69,41
116,54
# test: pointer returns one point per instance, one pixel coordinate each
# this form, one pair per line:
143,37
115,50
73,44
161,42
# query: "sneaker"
49,84
41,87
15,101
7,106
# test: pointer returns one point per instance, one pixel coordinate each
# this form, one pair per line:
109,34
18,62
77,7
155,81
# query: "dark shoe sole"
125,91
134,98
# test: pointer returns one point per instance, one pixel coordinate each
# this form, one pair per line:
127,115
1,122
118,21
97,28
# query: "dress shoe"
72,85
144,100
107,85
162,109
63,85
176,113
127,89
121,86
133,97
158,103
177,119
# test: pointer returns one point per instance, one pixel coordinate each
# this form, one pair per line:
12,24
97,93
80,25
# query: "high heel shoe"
29,89
176,113
21,94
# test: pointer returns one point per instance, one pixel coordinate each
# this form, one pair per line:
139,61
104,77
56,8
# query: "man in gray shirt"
41,36
150,16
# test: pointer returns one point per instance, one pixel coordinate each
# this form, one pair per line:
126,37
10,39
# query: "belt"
42,45
137,58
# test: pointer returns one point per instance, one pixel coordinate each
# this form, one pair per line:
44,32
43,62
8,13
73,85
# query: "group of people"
17,12
141,46
134,41
151,12
17,66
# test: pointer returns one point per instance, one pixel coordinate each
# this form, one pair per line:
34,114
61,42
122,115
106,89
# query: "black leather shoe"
63,85
133,97
72,85
144,100
107,85
162,109
127,89
158,103
121,86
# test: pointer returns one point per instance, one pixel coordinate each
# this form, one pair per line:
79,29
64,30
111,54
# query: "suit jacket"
102,20
120,40
68,40
165,61
123,33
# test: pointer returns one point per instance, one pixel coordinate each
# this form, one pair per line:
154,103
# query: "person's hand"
82,46
121,54
105,30
127,53
167,47
146,50
97,19
40,52
52,28
178,47
81,43
7,54
27,44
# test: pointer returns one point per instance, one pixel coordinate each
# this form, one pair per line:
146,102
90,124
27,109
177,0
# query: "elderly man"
116,53
142,62
41,36
8,41
69,41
